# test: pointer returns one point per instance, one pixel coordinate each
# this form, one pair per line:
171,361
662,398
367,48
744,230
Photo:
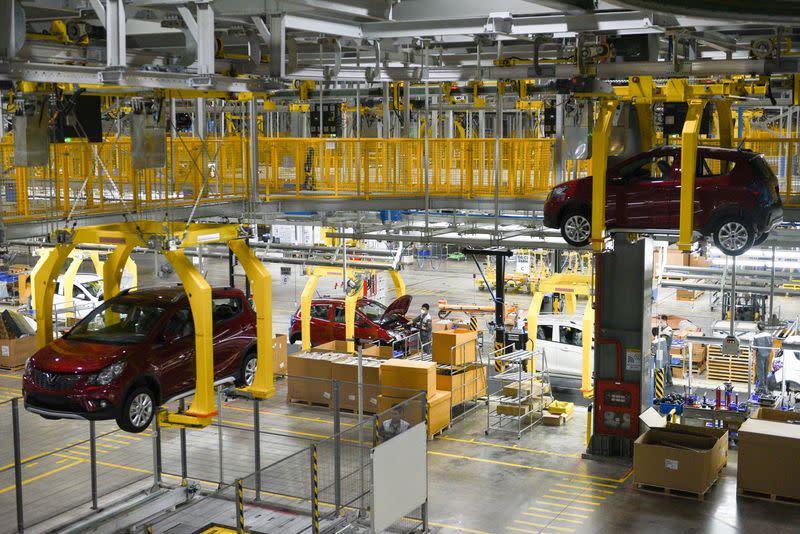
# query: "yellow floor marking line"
510,447
554,518
10,376
79,453
454,527
112,440
309,434
530,523
562,505
579,494
17,390
613,486
289,416
557,498
31,464
511,464
39,477
585,488
62,460
109,464
582,516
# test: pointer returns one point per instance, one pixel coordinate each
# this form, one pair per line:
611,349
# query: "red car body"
92,371
643,192
374,321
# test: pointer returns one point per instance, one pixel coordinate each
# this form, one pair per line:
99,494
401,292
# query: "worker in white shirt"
763,341
394,425
666,332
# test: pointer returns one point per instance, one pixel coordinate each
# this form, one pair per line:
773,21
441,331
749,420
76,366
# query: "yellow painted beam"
724,123
305,309
261,282
112,269
586,350
350,303
68,280
647,133
600,142
399,283
199,292
43,279
689,139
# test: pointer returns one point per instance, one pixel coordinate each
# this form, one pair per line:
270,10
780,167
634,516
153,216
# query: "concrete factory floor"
477,483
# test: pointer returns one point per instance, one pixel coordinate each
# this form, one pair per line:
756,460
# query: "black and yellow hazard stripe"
473,323
659,384
239,506
499,366
377,436
315,490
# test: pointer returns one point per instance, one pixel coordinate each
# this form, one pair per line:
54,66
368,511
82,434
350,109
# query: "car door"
338,325
174,353
231,333
571,349
644,192
544,342
320,324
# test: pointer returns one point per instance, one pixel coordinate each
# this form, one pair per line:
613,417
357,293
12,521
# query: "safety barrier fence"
85,178
74,465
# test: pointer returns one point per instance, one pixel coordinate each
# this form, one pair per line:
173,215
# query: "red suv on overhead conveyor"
736,198
135,352
374,321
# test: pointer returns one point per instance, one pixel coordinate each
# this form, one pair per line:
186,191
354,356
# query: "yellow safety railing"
77,182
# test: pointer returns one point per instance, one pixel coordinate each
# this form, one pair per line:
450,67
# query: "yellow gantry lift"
170,239
571,285
642,92
350,301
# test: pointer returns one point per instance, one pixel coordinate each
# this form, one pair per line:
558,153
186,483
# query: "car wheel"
247,373
734,236
294,338
576,228
760,239
137,411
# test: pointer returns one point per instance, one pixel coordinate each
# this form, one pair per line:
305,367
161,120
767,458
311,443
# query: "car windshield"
118,321
373,310
94,287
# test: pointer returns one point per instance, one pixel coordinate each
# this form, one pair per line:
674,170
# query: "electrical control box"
616,408
331,120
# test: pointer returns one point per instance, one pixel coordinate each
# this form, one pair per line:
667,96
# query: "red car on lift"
135,352
374,321
736,198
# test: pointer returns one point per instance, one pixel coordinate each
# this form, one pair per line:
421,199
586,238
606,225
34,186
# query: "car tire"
247,370
734,235
138,410
760,239
576,227
294,338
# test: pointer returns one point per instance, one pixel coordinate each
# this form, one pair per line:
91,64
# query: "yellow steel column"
586,368
571,303
533,316
112,269
399,284
261,281
350,302
305,309
96,263
600,141
43,284
724,123
689,137
68,280
197,289
647,134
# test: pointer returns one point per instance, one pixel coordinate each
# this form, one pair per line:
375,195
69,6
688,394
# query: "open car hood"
400,306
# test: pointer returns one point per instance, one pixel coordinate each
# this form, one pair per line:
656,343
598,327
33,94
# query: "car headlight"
559,191
107,375
28,368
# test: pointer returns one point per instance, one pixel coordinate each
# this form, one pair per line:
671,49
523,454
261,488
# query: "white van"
561,339
87,294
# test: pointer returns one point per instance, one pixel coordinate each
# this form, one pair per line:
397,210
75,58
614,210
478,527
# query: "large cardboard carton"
280,352
438,412
680,457
783,416
331,346
14,352
384,352
454,347
346,372
309,376
405,378
767,450
442,324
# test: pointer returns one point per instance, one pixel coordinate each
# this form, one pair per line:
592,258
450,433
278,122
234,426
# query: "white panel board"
400,476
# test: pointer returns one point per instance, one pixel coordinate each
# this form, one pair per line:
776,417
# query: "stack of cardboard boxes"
345,370
558,413
535,397
455,353
402,379
310,375
17,342
280,352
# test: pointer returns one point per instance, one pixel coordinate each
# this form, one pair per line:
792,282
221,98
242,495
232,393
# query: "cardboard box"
512,390
438,412
346,372
384,352
405,378
680,457
464,386
14,352
309,376
555,419
688,294
280,352
783,416
765,452
464,342
514,410
331,346
442,324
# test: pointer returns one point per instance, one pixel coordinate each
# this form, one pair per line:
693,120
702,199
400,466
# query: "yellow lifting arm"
350,302
68,281
600,141
43,284
261,280
691,130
